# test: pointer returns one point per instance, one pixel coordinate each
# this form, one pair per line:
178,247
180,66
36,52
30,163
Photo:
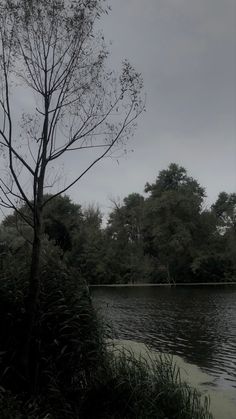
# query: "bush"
66,347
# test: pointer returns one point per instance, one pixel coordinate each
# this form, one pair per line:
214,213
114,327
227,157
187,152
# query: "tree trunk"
32,301
169,276
34,284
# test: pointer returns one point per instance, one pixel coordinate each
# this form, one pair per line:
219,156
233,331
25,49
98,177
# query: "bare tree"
53,65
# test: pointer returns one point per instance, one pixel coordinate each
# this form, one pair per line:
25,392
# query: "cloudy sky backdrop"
186,52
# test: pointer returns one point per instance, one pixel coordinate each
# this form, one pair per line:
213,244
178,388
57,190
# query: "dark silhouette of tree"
172,220
50,53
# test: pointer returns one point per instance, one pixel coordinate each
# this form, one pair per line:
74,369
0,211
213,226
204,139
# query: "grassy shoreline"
222,402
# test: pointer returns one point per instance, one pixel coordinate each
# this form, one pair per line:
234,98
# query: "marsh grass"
73,374
144,388
67,346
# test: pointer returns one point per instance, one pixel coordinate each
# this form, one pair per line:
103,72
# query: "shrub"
66,347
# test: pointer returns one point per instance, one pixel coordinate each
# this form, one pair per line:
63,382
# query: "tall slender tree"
52,58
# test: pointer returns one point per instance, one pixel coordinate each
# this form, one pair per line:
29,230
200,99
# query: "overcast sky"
186,52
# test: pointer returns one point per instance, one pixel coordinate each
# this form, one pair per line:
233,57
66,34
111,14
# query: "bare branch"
125,123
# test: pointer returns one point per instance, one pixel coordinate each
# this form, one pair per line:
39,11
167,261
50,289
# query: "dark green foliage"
225,210
172,221
10,407
62,218
175,178
170,236
213,268
124,240
88,253
16,407
67,347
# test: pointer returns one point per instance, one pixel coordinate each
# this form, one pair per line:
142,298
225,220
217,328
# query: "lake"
196,322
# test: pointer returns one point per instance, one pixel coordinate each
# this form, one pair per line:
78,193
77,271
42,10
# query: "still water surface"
197,323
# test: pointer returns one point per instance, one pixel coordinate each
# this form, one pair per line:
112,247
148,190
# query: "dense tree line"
168,235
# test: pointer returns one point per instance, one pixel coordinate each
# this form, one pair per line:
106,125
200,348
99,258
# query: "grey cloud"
186,51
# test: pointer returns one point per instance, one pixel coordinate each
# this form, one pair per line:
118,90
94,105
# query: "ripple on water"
198,324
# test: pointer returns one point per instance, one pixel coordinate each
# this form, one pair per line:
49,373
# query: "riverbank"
196,323
222,402
180,284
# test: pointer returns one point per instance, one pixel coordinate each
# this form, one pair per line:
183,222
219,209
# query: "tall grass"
66,347
144,388
72,374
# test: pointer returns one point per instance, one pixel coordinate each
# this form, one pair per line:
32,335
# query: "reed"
144,388
73,375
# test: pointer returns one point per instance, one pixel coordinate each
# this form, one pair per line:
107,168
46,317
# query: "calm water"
197,323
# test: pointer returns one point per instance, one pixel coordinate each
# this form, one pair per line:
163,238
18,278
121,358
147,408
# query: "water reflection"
197,323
